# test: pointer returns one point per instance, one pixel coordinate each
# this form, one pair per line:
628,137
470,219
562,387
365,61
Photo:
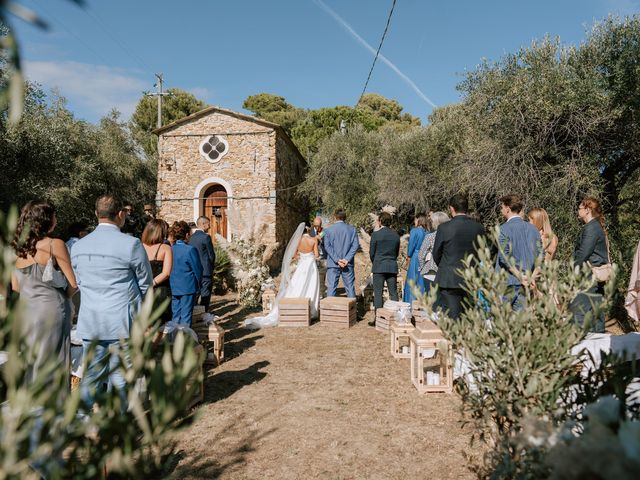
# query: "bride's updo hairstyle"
385,219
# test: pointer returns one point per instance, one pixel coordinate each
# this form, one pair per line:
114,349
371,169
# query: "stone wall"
291,207
248,169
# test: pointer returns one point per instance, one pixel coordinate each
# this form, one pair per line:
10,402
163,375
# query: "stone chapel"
216,158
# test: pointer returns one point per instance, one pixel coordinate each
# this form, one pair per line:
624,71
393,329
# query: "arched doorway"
215,208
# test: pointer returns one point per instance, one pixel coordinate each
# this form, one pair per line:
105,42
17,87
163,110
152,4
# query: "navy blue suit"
340,242
185,278
202,243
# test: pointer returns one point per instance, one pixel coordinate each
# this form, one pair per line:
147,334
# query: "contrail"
366,45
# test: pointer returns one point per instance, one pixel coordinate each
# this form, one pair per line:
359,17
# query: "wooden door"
215,208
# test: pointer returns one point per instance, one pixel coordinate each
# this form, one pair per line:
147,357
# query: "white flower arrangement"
249,254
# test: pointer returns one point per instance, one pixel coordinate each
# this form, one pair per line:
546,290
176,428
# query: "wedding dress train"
304,283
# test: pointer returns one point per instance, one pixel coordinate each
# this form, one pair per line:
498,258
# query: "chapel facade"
215,159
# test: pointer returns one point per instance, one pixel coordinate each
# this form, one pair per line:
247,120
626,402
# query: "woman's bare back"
308,244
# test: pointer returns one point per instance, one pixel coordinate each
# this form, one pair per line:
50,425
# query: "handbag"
51,276
602,273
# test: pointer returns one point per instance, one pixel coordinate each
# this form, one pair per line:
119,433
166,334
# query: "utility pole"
159,93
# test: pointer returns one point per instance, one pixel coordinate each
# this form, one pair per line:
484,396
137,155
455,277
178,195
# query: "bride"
305,282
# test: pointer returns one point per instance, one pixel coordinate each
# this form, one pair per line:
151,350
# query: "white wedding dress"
304,283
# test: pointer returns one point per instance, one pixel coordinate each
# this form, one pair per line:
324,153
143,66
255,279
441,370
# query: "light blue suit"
340,242
520,247
113,274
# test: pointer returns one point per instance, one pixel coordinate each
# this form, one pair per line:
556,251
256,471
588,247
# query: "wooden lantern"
384,317
399,334
419,313
338,312
212,338
293,312
367,297
268,299
431,362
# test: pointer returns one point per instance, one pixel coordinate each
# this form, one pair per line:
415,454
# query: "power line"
375,58
141,63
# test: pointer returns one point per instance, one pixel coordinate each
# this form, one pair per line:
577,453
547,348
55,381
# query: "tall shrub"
518,364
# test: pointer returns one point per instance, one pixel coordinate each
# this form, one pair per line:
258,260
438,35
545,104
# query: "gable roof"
241,116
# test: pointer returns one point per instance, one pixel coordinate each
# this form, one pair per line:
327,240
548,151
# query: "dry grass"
318,403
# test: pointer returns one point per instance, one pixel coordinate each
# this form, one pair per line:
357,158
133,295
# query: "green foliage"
145,117
343,173
308,128
222,278
519,363
50,154
43,427
548,118
275,109
388,109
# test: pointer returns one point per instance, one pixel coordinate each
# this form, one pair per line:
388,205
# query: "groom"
340,245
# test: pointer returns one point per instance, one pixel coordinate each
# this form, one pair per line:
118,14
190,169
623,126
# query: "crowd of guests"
439,243
113,270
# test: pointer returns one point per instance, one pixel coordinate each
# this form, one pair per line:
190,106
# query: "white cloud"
93,89
202,93
372,50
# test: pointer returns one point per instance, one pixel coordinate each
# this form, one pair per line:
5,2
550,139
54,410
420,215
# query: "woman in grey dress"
44,305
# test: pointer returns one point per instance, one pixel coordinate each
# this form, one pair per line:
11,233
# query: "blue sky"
103,56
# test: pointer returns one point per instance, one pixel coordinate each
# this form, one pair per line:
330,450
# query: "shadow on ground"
224,384
209,465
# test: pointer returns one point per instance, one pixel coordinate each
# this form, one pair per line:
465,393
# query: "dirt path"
317,402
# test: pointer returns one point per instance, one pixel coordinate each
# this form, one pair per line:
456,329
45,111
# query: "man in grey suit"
383,251
520,246
341,244
455,240
113,274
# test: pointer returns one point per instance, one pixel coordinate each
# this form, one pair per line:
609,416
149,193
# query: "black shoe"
372,323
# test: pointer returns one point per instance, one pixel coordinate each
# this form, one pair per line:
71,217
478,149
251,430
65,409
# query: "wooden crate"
427,326
384,317
338,312
294,312
399,335
431,354
212,339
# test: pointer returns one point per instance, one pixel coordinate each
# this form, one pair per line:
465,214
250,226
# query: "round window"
213,148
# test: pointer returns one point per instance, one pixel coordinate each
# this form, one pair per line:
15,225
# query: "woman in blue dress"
413,272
